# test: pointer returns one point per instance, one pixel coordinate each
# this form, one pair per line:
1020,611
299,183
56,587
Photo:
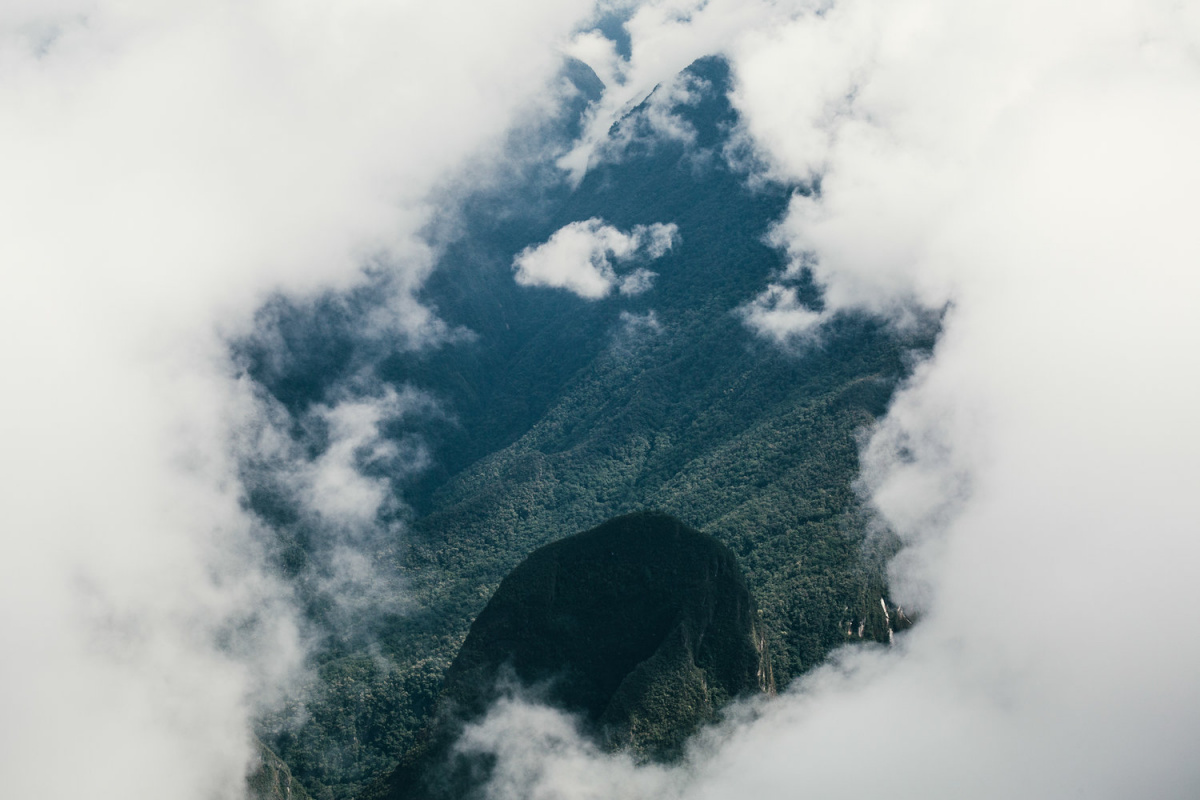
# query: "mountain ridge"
562,413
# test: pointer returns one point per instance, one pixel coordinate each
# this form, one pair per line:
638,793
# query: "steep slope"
562,412
271,779
643,626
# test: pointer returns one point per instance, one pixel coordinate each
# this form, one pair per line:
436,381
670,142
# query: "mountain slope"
642,626
271,779
562,412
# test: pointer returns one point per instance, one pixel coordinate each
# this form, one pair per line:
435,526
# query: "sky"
1028,167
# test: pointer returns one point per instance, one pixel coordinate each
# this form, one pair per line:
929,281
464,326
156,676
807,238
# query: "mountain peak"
642,626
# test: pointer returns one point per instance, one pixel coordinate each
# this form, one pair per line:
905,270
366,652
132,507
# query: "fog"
1027,168
579,258
166,168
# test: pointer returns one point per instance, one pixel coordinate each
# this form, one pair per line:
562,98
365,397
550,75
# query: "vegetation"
271,779
561,413
642,626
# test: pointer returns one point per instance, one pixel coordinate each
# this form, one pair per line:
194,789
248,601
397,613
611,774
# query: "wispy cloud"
665,38
329,485
779,314
579,257
166,168
1029,169
1031,165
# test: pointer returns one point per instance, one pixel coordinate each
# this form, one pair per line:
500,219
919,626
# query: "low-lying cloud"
665,37
1028,169
779,314
338,482
581,257
167,167
1027,166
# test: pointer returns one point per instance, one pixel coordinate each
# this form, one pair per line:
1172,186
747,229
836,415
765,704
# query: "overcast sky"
1030,166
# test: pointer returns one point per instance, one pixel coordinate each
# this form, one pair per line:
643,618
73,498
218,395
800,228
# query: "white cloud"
636,282
345,495
333,485
658,239
666,37
166,166
542,755
579,257
1032,166
657,120
778,314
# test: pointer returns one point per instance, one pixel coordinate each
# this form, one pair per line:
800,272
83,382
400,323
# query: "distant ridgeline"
642,626
561,413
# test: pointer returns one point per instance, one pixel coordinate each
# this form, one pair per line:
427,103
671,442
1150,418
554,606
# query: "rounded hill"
643,626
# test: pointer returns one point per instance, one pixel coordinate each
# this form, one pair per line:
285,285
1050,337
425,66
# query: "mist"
167,169
1027,170
579,258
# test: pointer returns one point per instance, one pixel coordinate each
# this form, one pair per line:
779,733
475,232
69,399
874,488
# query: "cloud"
637,324
333,484
579,257
168,166
336,473
541,754
665,37
1028,168
778,314
657,119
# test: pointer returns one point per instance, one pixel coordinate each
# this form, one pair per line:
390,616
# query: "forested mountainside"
270,778
557,413
642,626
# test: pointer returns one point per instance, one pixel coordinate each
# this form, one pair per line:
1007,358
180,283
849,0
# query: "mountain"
642,626
558,413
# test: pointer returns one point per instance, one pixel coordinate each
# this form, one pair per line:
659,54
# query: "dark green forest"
643,627
559,413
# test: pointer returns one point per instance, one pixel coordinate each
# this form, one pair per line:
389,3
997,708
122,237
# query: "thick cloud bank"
166,166
579,257
1031,167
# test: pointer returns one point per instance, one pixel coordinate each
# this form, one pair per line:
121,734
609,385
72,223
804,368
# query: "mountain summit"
643,626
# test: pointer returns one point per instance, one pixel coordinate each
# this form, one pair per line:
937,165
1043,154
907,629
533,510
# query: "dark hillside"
643,626
562,413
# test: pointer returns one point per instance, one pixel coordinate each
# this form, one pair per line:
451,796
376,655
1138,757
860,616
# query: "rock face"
642,626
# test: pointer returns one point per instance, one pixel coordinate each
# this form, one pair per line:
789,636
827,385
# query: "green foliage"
563,413
271,779
642,626
743,450
359,712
